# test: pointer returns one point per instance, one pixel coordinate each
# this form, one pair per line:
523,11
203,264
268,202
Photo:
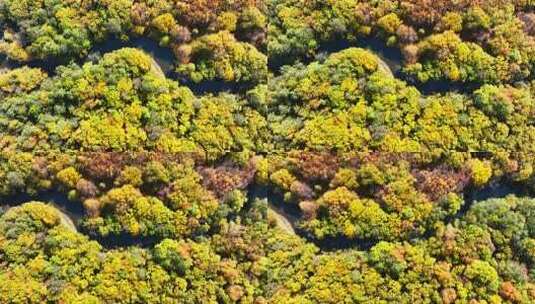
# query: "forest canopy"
275,151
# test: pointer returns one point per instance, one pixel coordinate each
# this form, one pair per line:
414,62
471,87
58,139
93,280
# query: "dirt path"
156,68
384,66
281,220
65,219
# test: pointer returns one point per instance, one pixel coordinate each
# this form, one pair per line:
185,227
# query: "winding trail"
385,67
281,220
69,212
65,219
156,68
283,214
163,64
287,220
390,61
